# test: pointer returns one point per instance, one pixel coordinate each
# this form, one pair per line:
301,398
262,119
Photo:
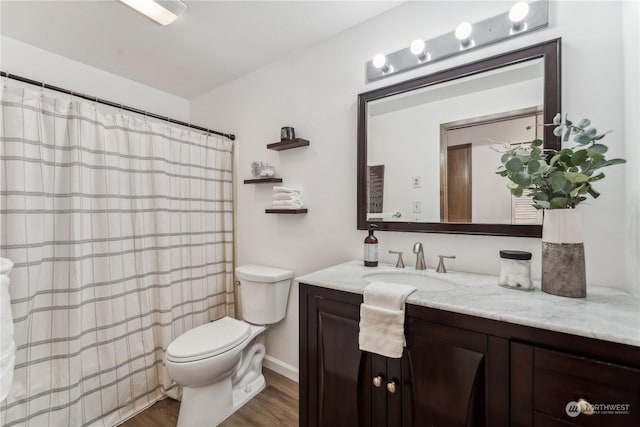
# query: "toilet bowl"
219,364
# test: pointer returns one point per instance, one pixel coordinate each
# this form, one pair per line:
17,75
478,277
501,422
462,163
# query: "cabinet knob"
377,381
391,386
586,408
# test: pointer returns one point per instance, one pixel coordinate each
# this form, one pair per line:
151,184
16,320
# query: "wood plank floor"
276,405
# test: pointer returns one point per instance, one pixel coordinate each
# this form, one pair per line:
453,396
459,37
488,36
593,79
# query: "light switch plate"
416,181
416,207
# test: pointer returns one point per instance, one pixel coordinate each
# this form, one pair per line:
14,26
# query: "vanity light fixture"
164,12
522,18
517,15
380,62
418,48
463,33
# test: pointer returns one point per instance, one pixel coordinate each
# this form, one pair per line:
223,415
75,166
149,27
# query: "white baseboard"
281,367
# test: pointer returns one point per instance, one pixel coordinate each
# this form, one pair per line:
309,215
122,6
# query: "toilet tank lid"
260,273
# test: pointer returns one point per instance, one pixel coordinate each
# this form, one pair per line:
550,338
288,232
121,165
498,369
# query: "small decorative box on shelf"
288,144
262,180
286,211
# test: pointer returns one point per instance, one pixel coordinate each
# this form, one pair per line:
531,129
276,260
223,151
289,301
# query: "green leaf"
557,119
512,185
536,143
593,193
613,162
533,166
584,123
567,133
514,165
558,203
591,132
541,204
554,159
579,157
506,156
575,177
522,178
597,177
517,192
582,139
599,148
558,182
557,131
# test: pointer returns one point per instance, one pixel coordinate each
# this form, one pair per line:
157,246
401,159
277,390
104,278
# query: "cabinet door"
544,384
449,373
338,374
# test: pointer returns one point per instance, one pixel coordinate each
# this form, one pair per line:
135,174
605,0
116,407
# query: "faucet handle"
400,263
441,268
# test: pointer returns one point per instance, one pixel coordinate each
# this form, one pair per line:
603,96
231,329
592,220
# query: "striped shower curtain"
121,235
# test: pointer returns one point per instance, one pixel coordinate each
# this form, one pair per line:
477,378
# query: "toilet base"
245,394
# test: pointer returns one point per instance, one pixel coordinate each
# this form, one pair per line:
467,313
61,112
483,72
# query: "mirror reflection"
432,153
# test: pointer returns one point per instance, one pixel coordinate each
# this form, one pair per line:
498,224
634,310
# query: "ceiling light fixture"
164,12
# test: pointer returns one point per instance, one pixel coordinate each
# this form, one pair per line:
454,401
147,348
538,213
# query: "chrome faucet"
417,249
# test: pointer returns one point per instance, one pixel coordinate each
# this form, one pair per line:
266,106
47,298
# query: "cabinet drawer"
560,378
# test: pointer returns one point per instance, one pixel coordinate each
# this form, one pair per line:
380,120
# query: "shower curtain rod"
43,85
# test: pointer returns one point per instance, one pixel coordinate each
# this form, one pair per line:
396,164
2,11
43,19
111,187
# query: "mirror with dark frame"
428,148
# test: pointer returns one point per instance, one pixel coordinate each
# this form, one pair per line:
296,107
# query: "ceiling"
211,43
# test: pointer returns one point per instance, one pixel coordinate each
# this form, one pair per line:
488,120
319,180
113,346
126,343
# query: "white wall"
315,91
631,66
37,64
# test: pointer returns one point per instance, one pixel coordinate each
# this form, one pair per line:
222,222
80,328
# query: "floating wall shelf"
286,211
288,144
262,180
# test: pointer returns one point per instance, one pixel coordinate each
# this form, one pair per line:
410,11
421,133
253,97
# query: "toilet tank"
264,292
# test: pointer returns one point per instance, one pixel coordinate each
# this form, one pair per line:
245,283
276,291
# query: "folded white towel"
387,295
287,204
7,345
382,318
287,196
279,189
381,331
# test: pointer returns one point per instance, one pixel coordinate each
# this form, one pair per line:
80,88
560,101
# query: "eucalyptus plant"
558,179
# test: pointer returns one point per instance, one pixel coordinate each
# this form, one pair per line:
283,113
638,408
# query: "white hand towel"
279,189
382,318
7,345
381,331
387,295
287,204
287,196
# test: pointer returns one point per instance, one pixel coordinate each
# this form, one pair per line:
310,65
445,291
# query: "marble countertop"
606,313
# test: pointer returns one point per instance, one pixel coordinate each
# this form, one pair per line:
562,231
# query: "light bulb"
518,12
379,60
417,47
463,31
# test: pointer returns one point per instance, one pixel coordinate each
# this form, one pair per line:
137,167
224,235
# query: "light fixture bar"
484,32
164,12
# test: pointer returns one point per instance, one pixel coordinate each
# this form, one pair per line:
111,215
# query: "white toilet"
219,364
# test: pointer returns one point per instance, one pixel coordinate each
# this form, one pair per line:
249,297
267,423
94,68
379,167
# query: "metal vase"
563,268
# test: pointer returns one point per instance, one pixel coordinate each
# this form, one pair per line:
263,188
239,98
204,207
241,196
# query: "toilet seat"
208,340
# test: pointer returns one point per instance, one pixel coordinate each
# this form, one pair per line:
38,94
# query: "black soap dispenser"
371,248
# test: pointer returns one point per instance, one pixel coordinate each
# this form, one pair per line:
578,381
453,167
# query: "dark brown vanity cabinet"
456,370
443,378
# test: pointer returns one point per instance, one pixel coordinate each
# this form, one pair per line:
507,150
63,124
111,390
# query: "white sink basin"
420,281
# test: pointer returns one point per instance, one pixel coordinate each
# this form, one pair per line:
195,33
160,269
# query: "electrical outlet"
416,181
416,206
